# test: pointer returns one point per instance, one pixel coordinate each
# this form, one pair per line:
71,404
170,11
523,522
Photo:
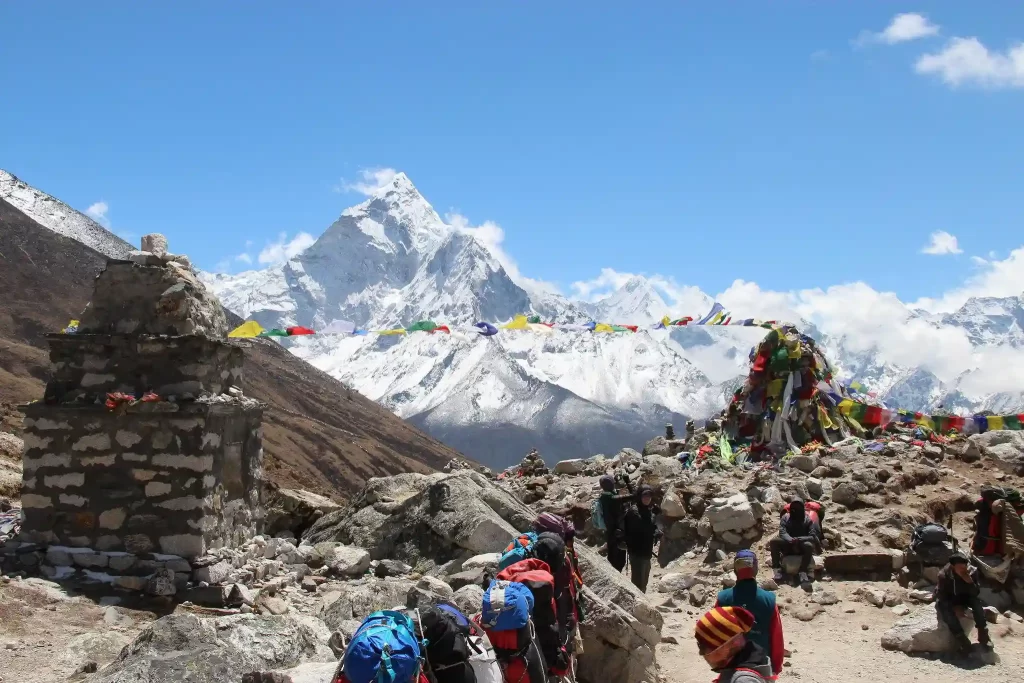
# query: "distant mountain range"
392,260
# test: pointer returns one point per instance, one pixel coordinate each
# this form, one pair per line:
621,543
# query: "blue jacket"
767,630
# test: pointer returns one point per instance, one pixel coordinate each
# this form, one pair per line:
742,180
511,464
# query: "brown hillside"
318,434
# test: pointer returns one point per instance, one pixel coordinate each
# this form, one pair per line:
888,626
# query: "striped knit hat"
720,625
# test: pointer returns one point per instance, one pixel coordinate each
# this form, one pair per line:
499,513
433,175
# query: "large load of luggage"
525,631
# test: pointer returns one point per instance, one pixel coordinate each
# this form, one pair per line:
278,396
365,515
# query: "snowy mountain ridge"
391,260
57,216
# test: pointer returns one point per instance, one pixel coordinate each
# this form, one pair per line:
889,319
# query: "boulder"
358,599
571,467
730,514
487,562
657,446
468,577
675,583
849,493
804,463
469,599
922,632
672,505
347,561
791,564
182,648
387,568
445,519
294,510
1005,448
311,672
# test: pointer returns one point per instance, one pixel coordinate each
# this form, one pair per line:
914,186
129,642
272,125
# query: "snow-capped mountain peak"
57,216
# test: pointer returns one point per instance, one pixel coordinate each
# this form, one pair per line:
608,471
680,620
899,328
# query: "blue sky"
796,144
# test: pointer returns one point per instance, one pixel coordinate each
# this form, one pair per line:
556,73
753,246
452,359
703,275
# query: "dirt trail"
836,647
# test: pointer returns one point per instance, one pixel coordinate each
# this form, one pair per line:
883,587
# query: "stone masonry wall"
86,367
175,479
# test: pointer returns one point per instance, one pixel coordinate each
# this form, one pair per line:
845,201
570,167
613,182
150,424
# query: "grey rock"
162,582
294,510
187,649
469,599
357,600
922,632
387,568
348,561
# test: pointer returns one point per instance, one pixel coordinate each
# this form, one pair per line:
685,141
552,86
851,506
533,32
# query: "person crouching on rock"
611,510
722,641
957,590
767,628
799,534
641,525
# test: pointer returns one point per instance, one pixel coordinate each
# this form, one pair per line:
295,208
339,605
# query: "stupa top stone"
154,293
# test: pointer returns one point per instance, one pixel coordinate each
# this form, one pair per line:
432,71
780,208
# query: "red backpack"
813,509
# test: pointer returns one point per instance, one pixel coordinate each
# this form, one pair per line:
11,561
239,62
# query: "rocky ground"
281,604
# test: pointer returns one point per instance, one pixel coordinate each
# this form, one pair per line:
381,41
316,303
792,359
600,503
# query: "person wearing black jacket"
642,533
799,533
611,510
958,589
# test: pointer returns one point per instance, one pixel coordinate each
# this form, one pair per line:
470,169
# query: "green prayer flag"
274,333
422,326
1011,422
534,319
725,449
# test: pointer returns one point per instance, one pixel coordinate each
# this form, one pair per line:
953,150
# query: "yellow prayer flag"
995,422
246,330
846,405
666,321
775,388
399,330
603,327
518,323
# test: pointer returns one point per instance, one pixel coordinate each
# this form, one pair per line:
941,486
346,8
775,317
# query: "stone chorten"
143,446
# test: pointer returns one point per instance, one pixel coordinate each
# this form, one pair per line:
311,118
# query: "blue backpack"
383,650
521,548
507,606
597,514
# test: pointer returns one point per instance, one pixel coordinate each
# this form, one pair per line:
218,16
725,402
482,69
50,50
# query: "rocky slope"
318,434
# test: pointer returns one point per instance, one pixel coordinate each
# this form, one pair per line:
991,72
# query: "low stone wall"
86,367
176,479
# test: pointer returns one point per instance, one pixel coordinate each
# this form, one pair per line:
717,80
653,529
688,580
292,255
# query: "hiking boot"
963,644
983,638
804,578
779,577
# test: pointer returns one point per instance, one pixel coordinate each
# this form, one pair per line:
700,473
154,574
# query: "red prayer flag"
441,328
873,415
298,330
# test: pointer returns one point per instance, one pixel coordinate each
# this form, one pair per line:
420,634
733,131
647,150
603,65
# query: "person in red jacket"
766,630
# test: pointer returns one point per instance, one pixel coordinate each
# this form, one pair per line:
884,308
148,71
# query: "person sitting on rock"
642,532
611,510
722,641
958,589
767,628
799,534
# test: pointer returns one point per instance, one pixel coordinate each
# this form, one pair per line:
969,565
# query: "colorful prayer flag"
517,323
422,326
299,330
246,330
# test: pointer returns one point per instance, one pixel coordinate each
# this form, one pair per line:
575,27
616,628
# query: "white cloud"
942,243
284,249
678,297
244,258
492,237
98,212
601,286
372,179
995,278
966,61
903,27
821,56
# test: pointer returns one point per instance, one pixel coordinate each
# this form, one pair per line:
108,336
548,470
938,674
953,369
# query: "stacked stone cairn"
143,454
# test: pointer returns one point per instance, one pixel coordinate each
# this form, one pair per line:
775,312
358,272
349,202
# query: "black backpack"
931,543
448,646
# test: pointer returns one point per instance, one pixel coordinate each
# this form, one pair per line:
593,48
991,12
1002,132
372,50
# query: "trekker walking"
767,628
641,527
611,510
958,590
722,641
799,534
